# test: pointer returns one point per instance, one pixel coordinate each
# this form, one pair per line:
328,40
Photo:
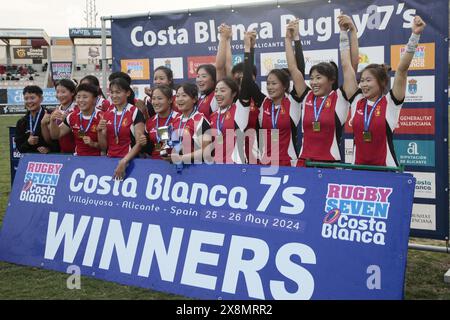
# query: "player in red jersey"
190,129
229,123
102,104
206,83
65,93
375,112
120,128
161,76
224,68
324,108
81,123
162,104
279,112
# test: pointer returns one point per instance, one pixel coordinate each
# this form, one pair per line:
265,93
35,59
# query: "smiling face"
204,80
119,96
64,95
32,101
160,78
86,101
184,102
224,95
369,85
275,87
320,84
160,102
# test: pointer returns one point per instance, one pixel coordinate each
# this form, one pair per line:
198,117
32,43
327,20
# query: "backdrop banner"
186,40
213,231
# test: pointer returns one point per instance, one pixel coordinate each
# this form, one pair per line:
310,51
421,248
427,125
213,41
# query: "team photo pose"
325,106
162,76
121,127
81,124
190,129
28,136
229,123
65,93
162,102
376,109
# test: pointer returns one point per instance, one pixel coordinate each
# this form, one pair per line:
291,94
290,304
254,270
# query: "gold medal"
117,140
158,146
316,126
81,134
219,139
367,136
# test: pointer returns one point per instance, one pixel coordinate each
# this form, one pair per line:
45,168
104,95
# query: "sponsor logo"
272,60
425,185
423,217
316,56
195,62
356,213
237,58
419,89
368,55
424,57
416,121
415,153
173,63
40,182
137,69
412,86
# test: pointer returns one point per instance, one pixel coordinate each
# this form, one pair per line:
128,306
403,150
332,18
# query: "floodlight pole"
104,59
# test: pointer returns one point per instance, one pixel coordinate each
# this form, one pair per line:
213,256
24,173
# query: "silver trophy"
164,134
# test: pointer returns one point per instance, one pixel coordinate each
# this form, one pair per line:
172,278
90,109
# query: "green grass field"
424,275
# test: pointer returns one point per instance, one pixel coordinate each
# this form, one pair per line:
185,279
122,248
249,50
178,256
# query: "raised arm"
296,74
249,89
399,87
222,52
350,84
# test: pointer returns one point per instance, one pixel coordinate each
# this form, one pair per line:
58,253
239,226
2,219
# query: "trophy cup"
164,134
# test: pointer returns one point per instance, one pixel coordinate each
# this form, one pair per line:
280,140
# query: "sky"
57,16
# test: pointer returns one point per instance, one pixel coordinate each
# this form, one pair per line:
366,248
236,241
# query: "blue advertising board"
185,40
213,231
15,97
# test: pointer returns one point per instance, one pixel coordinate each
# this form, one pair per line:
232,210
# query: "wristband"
344,42
412,43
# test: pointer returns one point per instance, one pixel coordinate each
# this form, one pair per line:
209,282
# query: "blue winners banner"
183,41
217,232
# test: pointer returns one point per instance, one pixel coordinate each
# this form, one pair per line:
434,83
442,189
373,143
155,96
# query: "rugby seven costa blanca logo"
40,180
356,213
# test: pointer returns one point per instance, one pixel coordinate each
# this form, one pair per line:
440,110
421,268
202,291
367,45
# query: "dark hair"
230,83
239,67
283,76
33,89
120,74
124,85
168,72
329,70
381,74
211,70
68,84
88,88
165,90
190,89
93,80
